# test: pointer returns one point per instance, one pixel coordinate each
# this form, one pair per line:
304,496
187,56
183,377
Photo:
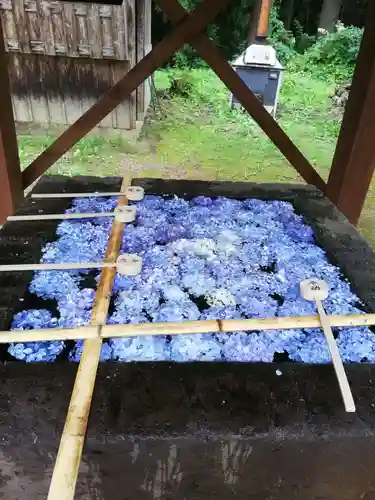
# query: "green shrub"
282,40
303,40
229,33
336,53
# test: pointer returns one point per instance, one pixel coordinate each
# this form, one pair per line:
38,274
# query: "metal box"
262,73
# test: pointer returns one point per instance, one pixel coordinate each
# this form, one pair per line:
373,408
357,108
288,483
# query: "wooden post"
354,160
10,172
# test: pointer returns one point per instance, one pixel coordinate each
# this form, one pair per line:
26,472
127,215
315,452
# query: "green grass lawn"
192,133
95,155
204,136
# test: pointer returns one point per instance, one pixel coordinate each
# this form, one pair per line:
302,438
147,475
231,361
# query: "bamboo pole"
83,215
42,335
184,327
65,472
342,379
56,266
316,290
74,195
233,325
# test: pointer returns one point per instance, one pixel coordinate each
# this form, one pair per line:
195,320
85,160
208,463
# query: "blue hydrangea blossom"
204,258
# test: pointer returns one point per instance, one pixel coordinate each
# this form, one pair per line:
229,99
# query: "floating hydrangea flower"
289,341
170,311
76,353
94,204
194,348
174,294
248,347
176,205
54,284
226,272
204,258
35,351
202,201
356,344
122,283
133,303
256,307
137,239
156,279
139,349
192,264
33,319
220,313
299,232
313,349
80,242
198,284
169,233
75,309
297,307
220,297
151,202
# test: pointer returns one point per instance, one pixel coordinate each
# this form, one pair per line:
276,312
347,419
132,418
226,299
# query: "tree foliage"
229,32
336,53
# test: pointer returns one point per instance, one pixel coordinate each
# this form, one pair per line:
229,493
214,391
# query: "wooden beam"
11,193
354,159
187,28
211,54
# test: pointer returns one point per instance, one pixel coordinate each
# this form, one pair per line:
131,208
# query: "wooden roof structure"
353,162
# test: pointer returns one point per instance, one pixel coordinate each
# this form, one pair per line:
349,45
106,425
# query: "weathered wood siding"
63,56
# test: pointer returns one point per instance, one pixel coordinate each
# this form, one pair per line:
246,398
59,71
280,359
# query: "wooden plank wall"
58,90
63,56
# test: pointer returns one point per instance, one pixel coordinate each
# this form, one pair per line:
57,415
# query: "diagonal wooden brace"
187,28
211,54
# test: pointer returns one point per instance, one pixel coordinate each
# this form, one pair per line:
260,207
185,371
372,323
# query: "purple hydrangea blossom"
252,347
76,353
198,284
32,319
194,348
139,349
32,352
234,259
171,311
313,348
221,312
297,307
94,204
202,201
356,344
35,351
75,309
54,284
